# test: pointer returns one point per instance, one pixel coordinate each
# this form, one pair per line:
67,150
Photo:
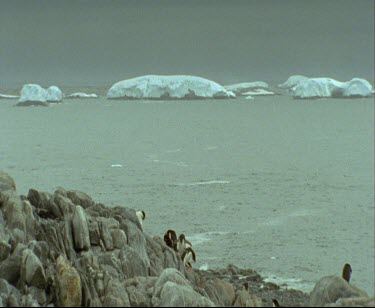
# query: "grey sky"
91,42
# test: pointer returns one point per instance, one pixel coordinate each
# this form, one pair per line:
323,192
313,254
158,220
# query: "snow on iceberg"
54,94
167,87
241,88
292,81
33,93
327,87
82,95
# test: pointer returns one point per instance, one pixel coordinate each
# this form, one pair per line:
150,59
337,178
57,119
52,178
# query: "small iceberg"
116,165
81,95
54,94
258,92
5,96
313,88
167,87
292,81
241,88
33,94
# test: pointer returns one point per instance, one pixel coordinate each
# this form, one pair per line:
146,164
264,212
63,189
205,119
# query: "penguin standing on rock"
170,238
141,216
187,256
347,272
182,244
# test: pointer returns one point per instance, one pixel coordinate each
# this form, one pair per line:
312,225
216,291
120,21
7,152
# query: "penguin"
347,272
187,256
275,303
182,244
170,238
141,216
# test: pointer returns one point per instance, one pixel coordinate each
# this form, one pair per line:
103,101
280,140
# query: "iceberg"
54,94
168,87
82,95
5,96
33,94
327,87
241,88
292,81
258,92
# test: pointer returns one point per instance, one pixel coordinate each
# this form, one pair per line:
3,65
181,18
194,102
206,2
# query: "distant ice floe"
241,88
81,95
249,97
258,92
33,94
116,165
5,96
327,87
204,267
202,183
292,81
168,87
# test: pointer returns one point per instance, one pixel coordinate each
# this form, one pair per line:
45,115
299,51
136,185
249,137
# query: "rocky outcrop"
64,249
168,87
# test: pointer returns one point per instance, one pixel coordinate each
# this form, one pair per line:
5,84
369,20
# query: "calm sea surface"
282,186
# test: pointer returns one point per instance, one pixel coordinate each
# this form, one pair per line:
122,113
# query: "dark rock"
31,103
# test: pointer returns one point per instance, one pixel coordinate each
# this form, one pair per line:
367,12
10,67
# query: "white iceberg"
240,88
258,92
292,81
5,96
33,93
167,87
54,94
327,87
82,95
249,97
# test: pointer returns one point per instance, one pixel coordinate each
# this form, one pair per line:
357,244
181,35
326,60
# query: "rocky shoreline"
64,249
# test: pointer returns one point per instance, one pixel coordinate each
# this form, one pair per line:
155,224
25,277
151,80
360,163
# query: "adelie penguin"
141,216
182,244
187,256
170,238
275,303
347,272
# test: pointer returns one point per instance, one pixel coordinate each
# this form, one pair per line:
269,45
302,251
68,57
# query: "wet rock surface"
64,249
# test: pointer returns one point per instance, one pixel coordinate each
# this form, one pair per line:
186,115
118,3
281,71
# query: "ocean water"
282,186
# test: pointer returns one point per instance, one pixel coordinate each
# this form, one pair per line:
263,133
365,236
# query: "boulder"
54,94
32,271
167,87
118,238
68,284
6,182
33,94
331,288
80,229
131,263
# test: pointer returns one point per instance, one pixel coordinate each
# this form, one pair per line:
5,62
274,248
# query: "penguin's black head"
347,272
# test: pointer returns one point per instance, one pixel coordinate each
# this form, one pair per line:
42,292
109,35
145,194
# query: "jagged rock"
68,284
354,302
116,296
6,182
80,198
80,229
5,250
32,271
119,238
140,290
331,288
64,204
105,234
13,212
10,268
40,249
38,294
245,299
224,290
172,289
44,204
132,263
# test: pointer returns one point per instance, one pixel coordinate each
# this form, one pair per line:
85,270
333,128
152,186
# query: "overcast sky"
94,42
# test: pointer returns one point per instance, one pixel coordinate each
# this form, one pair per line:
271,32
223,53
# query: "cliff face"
64,249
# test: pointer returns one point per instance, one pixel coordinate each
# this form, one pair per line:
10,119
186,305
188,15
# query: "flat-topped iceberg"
241,88
292,81
258,92
167,87
54,94
33,94
5,96
327,87
82,95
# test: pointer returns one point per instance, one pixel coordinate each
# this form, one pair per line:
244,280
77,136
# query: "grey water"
274,184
